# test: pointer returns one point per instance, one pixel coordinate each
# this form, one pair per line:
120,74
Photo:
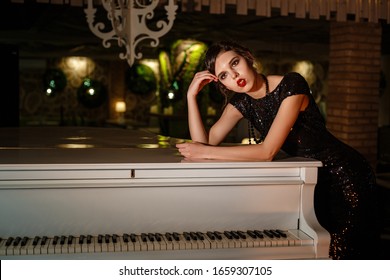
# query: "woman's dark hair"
223,46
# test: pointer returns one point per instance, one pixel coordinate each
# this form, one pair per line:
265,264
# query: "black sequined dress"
345,194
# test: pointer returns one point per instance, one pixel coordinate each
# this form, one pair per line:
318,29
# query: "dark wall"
9,86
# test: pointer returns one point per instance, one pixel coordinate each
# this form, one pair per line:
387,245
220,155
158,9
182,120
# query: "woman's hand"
199,81
192,150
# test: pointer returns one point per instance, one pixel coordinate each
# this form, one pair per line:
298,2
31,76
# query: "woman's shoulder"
274,81
277,79
290,80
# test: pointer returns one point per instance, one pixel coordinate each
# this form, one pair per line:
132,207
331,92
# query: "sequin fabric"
345,194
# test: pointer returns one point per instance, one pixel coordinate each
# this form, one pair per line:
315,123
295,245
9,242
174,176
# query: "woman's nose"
235,74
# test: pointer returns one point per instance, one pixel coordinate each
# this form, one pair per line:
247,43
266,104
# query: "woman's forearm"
239,152
195,123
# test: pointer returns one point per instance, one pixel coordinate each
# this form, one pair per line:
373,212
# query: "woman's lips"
241,82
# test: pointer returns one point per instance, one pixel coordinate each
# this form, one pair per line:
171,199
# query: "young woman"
283,110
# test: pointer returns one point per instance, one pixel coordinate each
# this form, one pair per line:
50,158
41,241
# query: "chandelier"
129,22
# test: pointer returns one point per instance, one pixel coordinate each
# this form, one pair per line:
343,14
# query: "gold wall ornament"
129,19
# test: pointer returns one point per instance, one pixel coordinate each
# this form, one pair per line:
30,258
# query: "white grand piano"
103,193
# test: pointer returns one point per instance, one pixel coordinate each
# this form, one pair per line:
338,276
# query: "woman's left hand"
192,150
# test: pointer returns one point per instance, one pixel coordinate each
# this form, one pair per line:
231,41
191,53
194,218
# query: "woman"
283,110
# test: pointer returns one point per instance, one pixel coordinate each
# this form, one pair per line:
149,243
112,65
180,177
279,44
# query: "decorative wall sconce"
129,24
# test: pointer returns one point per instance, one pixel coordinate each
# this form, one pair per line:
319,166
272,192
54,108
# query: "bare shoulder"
274,81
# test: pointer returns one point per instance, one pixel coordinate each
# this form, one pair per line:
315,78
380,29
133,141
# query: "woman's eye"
235,62
222,77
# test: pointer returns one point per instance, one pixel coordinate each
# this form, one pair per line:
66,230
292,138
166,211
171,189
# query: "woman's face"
234,72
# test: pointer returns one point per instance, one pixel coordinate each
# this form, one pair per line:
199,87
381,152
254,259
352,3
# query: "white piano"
103,193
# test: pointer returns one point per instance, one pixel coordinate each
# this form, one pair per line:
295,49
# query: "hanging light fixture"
129,24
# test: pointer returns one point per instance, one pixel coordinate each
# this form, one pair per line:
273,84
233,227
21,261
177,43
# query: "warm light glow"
82,66
306,69
75,146
91,91
152,63
120,107
171,95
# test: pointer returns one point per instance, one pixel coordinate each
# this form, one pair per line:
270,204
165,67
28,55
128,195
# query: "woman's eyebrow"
230,63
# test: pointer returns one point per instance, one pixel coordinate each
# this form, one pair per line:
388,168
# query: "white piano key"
3,248
79,248
51,246
161,242
27,249
43,248
91,246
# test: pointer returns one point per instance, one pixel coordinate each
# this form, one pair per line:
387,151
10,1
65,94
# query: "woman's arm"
281,127
195,123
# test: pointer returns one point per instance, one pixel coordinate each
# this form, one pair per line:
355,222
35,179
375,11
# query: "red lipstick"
241,82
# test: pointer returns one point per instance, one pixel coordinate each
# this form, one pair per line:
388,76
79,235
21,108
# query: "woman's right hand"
199,81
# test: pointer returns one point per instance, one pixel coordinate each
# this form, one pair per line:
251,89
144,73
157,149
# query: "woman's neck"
259,88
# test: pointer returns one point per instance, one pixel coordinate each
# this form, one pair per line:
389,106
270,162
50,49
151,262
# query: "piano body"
103,193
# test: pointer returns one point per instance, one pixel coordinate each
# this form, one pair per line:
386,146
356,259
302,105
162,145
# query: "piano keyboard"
131,242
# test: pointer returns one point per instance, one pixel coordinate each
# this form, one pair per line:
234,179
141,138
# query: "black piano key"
234,234
218,235
275,233
193,235
81,239
107,238
55,240
259,233
241,234
133,237
36,240
9,241
252,234
176,236
228,234
200,235
89,239
144,237
62,240
211,235
24,241
168,236
44,240
268,233
151,237
100,238
17,241
115,238
158,237
187,236
282,233
70,239
126,238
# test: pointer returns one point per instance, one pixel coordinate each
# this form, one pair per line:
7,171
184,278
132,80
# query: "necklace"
251,129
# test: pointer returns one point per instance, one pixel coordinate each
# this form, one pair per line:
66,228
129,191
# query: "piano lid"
27,146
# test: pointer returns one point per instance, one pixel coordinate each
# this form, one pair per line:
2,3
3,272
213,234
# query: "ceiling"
44,31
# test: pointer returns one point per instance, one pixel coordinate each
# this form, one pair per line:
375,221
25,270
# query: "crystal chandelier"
129,24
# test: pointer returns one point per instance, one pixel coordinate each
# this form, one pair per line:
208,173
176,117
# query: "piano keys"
129,195
137,244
